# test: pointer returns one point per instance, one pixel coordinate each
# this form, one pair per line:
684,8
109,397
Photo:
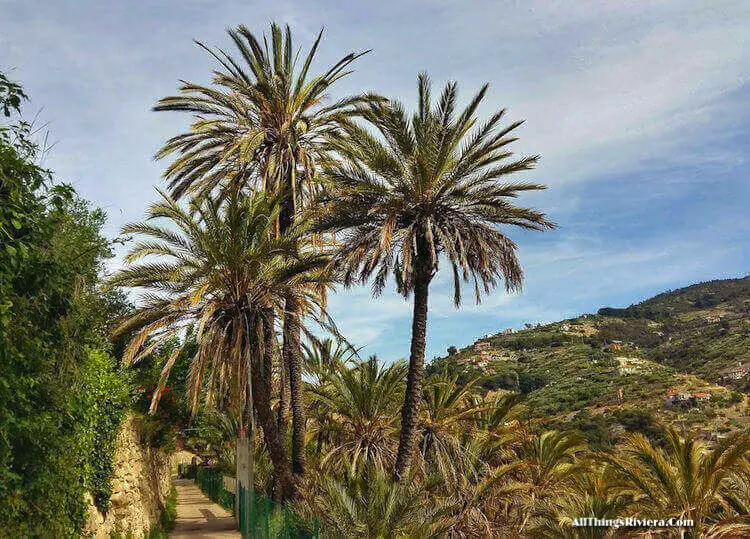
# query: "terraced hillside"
681,357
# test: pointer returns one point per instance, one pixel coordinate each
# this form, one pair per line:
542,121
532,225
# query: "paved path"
197,516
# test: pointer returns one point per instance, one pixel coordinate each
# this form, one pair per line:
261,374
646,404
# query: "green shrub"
60,395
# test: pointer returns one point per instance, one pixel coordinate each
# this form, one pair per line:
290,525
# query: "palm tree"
446,419
324,356
221,267
358,405
590,493
550,462
262,122
499,431
686,480
371,505
427,186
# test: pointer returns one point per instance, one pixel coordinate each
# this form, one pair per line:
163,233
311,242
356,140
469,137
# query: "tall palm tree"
427,186
221,267
262,122
686,480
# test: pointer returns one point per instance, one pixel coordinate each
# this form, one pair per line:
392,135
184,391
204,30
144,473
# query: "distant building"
481,345
686,399
509,331
736,374
713,319
565,327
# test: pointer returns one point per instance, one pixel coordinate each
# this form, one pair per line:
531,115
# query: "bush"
167,517
60,394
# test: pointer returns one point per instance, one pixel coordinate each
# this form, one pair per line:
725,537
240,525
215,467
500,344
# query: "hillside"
618,369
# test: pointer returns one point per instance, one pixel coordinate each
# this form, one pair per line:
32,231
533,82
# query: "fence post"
268,517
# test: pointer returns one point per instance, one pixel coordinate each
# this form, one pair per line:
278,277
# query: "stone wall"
140,484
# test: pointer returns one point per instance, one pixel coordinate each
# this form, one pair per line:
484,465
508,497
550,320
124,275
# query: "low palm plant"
369,504
590,493
358,405
446,421
425,187
686,480
326,356
499,431
549,464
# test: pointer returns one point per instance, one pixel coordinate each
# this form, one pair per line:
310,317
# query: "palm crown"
217,265
262,119
428,185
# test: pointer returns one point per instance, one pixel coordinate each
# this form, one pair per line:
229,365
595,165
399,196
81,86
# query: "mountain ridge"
652,357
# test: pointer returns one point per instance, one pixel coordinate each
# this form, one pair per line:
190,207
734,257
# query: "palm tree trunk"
294,363
291,349
284,396
262,400
413,396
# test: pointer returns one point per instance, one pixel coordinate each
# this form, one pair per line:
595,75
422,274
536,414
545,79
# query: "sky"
638,109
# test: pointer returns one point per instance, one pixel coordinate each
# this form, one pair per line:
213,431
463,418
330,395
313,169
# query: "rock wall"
140,485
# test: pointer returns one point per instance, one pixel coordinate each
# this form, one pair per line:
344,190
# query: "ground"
197,516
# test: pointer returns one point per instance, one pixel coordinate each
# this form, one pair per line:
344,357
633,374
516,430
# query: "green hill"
613,370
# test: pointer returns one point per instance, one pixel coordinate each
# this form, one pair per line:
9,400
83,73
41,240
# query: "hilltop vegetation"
586,371
733,294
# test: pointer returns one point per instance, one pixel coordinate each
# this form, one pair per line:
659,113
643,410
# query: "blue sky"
639,110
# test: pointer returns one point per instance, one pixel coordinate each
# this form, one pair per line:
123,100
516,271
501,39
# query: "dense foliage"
483,468
61,394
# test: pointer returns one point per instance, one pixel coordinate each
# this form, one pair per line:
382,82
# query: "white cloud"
606,87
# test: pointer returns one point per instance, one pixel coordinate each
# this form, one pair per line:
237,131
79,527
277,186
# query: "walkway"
197,516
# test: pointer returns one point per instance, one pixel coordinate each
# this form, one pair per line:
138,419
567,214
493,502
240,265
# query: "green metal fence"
262,517
268,519
211,483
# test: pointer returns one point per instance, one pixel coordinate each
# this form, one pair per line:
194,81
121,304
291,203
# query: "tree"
591,493
427,187
222,268
371,505
322,357
446,416
358,406
262,123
